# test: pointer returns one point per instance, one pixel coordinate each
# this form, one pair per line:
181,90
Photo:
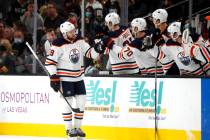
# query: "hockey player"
160,36
175,49
121,36
65,65
142,50
197,50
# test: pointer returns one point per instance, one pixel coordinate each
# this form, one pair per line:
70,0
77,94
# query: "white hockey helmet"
112,19
66,27
138,25
174,30
161,15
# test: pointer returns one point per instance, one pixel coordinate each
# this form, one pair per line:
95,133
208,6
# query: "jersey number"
52,52
128,51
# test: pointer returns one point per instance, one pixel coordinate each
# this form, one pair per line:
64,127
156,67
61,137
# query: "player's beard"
72,37
157,26
134,34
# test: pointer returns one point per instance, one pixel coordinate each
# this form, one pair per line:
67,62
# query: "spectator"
28,19
17,10
7,65
23,60
19,42
50,36
53,19
94,3
89,19
73,18
8,33
18,25
1,29
4,8
72,6
112,6
43,11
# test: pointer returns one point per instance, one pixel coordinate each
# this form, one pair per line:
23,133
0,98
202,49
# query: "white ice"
4,137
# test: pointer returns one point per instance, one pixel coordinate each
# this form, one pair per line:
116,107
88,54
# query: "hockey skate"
80,134
72,134
76,134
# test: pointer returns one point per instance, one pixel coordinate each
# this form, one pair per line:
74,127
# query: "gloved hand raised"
101,45
55,82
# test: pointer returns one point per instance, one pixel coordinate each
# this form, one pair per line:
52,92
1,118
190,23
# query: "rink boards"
116,108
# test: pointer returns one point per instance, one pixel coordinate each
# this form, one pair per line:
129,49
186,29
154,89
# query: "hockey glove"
99,47
55,82
147,42
108,42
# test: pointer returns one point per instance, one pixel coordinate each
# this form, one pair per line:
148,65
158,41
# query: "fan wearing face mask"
19,42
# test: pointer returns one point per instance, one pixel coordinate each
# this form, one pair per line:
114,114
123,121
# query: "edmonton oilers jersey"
66,58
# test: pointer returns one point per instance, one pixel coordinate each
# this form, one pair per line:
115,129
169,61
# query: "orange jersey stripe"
49,62
125,66
79,115
67,117
167,66
206,67
70,73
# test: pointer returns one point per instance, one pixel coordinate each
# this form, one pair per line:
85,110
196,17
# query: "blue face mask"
88,14
18,40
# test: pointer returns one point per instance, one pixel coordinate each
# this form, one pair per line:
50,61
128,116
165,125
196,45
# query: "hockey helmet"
160,15
66,27
174,30
138,25
112,19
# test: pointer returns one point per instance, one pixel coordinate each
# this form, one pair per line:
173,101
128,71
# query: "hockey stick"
185,36
48,74
156,122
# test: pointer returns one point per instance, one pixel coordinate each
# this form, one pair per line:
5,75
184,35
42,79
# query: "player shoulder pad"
79,38
59,42
136,43
170,42
118,32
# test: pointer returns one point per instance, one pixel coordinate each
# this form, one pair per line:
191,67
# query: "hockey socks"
67,117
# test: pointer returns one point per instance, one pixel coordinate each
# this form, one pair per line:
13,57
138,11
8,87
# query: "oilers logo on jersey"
74,56
185,60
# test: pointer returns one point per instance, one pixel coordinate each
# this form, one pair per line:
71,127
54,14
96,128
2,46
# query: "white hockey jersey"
160,40
197,49
121,37
47,46
201,54
66,59
145,57
186,65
